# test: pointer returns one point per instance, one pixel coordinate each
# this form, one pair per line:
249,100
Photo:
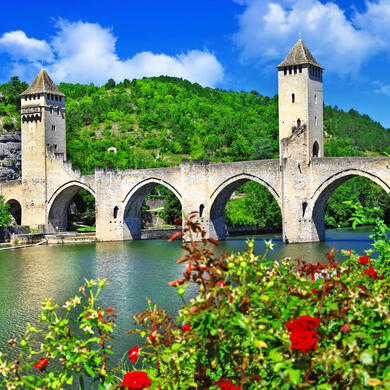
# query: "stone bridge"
301,180
300,188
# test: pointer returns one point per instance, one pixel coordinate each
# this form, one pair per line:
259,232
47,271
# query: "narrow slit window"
293,98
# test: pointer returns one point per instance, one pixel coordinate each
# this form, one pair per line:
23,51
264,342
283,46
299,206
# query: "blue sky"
229,44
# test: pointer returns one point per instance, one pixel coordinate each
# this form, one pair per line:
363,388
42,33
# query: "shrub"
254,324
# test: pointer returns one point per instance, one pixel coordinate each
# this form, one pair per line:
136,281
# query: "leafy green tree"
5,215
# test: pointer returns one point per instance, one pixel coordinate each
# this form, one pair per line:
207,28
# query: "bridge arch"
59,202
132,222
325,190
222,194
15,208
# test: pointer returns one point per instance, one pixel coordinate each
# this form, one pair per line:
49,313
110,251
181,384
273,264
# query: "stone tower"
301,99
43,132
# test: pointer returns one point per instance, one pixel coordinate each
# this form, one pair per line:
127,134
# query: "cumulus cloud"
19,46
268,29
85,52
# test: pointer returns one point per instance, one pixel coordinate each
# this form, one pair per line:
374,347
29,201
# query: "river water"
134,270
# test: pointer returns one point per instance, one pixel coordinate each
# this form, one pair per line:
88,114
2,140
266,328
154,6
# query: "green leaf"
176,347
275,356
294,375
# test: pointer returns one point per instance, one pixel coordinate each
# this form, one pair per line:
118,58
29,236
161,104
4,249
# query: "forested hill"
157,121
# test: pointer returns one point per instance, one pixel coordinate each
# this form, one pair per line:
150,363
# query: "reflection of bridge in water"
301,180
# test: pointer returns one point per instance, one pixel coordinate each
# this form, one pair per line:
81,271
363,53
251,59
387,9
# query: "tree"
5,215
110,84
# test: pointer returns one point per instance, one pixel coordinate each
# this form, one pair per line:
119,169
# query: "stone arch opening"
141,209
328,188
316,149
260,196
16,210
72,207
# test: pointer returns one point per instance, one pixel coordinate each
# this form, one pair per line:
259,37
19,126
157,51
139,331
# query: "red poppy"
364,260
42,364
136,380
175,235
186,328
133,354
348,252
221,284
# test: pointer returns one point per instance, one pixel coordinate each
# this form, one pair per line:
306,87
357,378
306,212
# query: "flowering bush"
266,324
254,324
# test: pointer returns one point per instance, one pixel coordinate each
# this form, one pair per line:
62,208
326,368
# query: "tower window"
290,70
315,99
51,110
285,71
316,149
58,110
55,146
315,120
295,70
300,68
293,98
56,98
298,123
53,127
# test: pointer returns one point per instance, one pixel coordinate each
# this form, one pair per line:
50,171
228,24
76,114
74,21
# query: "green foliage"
363,215
236,328
257,208
5,215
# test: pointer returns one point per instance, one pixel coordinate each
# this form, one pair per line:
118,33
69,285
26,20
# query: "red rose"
364,260
303,333
348,252
221,284
371,272
186,328
133,354
227,384
136,380
42,364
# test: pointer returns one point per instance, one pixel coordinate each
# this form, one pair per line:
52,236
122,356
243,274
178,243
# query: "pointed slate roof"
42,84
299,55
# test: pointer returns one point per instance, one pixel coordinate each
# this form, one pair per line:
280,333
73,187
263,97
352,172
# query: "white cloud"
85,52
268,29
19,46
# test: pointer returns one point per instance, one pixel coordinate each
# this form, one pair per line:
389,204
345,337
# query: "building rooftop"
299,55
42,84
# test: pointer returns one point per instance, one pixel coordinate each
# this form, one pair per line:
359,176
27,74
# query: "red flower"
177,221
221,284
230,299
348,252
136,380
133,354
364,260
227,384
175,235
42,364
303,333
372,273
153,335
186,328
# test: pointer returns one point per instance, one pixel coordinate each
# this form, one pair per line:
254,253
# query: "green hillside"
155,122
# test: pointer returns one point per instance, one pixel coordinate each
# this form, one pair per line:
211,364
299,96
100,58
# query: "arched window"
293,98
316,149
201,208
298,123
315,120
116,209
290,70
295,70
285,71
315,99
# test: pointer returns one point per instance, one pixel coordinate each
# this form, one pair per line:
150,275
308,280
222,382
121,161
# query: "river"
134,270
